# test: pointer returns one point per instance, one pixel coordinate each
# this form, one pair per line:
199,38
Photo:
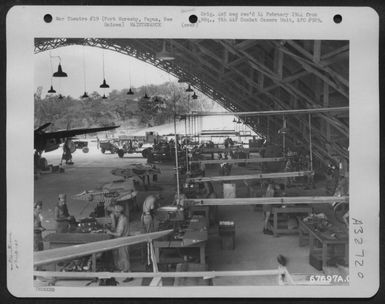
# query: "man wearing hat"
37,227
62,217
122,254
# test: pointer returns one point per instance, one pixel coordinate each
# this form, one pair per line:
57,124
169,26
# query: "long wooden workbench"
228,150
194,236
238,161
265,200
286,210
71,252
323,244
249,176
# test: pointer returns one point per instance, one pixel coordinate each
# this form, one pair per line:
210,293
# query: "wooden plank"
317,51
335,52
71,252
156,282
272,112
278,63
241,160
250,176
223,150
153,258
191,274
266,200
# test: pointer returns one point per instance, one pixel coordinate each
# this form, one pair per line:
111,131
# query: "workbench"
286,211
322,245
195,235
58,240
199,210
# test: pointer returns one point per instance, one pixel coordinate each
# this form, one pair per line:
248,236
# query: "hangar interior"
273,213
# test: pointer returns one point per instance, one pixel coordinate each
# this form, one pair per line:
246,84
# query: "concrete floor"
254,250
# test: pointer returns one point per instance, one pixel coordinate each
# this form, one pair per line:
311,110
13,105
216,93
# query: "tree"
134,111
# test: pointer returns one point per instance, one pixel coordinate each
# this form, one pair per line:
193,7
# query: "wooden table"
58,240
200,210
325,240
296,210
194,236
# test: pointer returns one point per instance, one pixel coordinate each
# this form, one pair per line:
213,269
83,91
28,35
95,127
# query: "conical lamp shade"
60,96
130,92
146,96
239,121
104,85
189,89
164,54
194,96
104,96
59,72
234,120
51,90
85,95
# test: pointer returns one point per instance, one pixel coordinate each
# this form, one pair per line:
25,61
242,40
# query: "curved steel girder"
203,78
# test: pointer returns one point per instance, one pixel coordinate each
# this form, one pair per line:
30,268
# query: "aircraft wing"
75,251
74,132
135,170
104,196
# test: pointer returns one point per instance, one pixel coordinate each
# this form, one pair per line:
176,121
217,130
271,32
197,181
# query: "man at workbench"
267,208
37,227
62,217
147,218
122,254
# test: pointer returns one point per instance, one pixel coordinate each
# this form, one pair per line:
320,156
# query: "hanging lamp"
164,55
130,91
51,90
146,96
189,89
194,96
104,85
104,96
284,129
60,96
59,72
85,95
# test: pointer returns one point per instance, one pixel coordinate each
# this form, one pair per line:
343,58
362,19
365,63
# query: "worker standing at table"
122,254
147,218
37,227
62,217
267,208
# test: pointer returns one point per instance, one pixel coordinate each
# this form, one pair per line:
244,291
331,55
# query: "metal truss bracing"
256,75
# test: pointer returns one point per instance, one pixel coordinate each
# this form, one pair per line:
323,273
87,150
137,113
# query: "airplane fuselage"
43,144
